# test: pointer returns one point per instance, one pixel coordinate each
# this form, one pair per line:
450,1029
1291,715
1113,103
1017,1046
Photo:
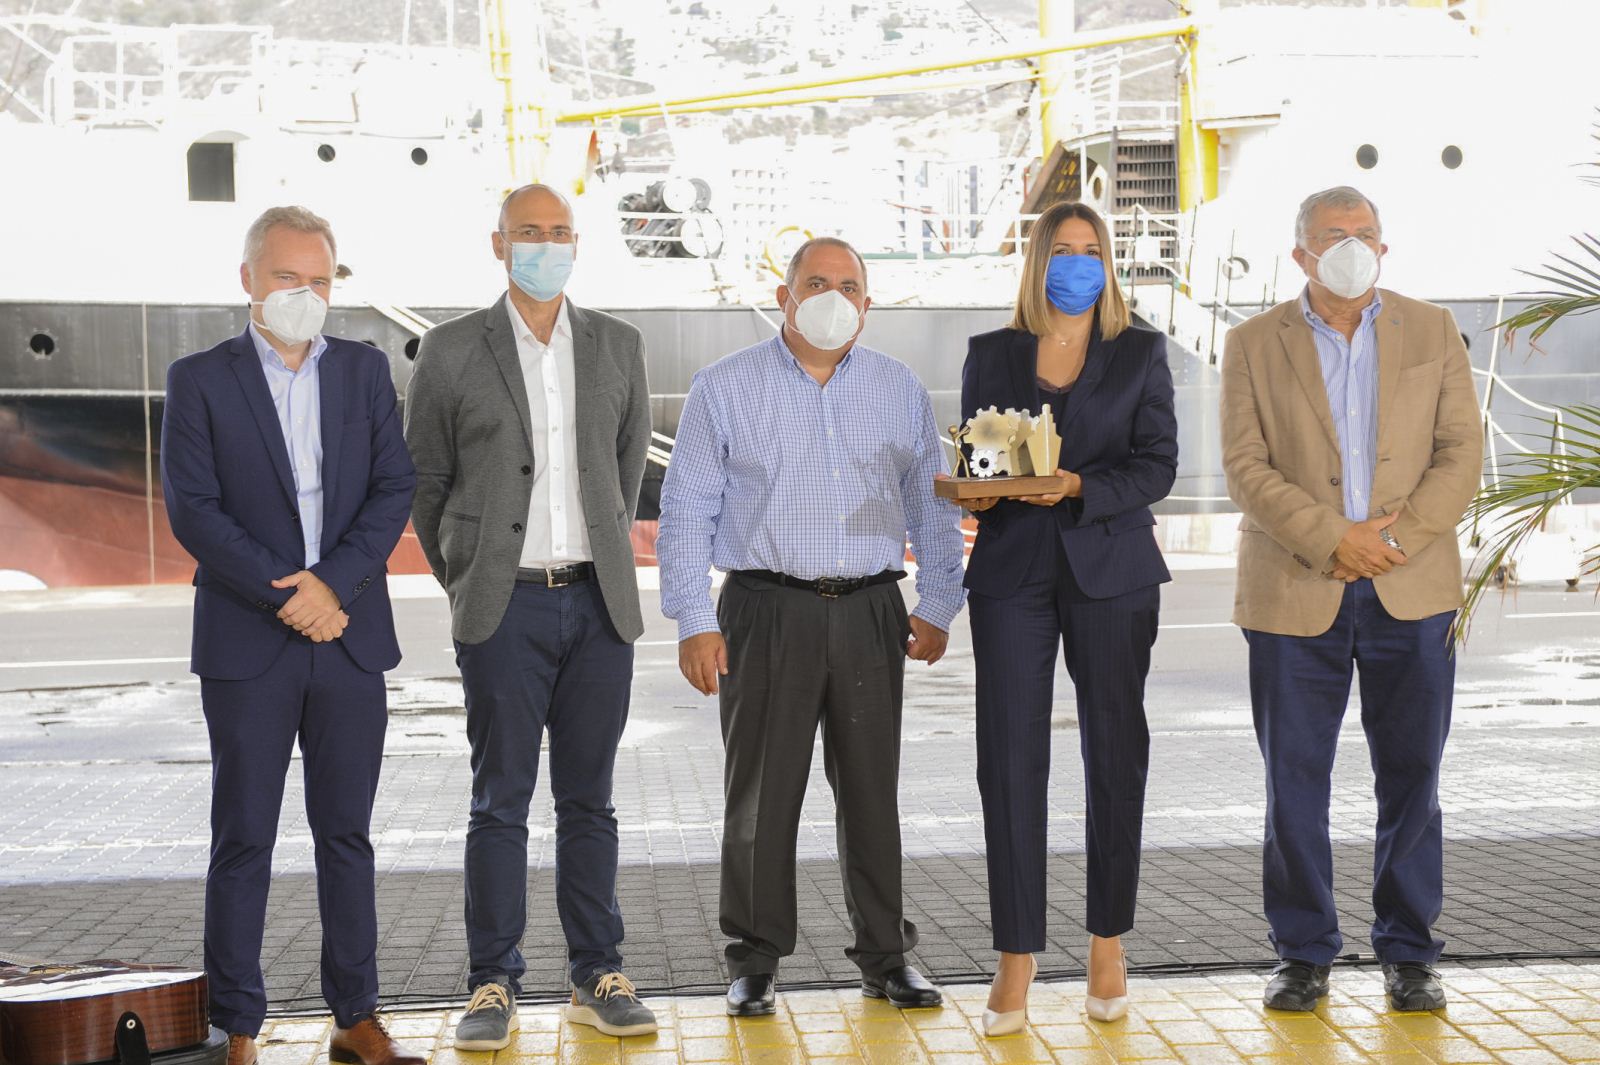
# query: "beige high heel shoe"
1110,1009
1011,1021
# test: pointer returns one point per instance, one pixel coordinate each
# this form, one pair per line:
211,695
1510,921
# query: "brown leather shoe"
367,1043
241,1050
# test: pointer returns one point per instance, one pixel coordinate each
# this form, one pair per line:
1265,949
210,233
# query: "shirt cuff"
940,615
697,623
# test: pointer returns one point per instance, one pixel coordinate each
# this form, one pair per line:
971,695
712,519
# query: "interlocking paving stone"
97,863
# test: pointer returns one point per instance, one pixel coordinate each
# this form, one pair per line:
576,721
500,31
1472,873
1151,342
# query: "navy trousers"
1107,644
555,663
1299,688
337,710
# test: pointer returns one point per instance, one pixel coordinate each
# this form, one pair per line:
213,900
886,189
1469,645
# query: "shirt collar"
783,346
269,355
1368,313
563,323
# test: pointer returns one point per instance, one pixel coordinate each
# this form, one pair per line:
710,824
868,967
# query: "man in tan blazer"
1351,442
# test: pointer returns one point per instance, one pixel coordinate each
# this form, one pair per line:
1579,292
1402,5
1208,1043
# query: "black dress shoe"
904,987
753,996
1413,986
1296,986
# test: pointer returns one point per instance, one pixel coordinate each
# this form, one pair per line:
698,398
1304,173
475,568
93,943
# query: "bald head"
533,202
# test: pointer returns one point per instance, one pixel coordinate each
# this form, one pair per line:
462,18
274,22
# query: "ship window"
326,153
419,156
1366,157
411,348
211,172
42,345
1450,157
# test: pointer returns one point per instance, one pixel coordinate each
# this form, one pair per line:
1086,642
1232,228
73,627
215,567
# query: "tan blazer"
1280,452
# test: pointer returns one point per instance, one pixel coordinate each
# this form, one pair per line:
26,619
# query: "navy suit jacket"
1119,432
231,500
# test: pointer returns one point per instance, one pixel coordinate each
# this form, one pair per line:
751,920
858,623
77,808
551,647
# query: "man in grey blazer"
528,422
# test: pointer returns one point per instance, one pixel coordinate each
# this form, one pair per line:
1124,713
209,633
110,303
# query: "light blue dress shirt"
297,397
774,471
1350,374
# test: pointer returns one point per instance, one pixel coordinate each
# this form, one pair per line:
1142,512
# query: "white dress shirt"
557,533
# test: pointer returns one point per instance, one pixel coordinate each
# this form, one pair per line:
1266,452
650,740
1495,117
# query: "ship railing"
1097,90
122,73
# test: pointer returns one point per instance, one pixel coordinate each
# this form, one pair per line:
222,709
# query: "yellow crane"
530,120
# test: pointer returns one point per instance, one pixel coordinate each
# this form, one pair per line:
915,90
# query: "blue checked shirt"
1350,374
297,396
773,471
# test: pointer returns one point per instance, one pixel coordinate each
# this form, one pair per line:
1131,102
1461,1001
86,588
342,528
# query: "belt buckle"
832,587
552,581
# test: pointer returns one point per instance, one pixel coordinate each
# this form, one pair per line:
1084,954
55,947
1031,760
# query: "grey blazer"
467,426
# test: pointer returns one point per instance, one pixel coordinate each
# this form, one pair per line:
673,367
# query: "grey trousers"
797,659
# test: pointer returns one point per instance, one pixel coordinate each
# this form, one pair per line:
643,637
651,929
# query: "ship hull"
80,428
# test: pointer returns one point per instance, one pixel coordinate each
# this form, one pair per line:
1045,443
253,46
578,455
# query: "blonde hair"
1032,313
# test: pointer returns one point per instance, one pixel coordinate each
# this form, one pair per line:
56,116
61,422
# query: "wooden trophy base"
959,488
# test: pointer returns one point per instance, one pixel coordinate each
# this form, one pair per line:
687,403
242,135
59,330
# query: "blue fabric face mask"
541,270
1074,282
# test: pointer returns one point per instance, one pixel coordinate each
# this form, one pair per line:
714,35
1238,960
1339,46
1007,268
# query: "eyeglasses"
536,235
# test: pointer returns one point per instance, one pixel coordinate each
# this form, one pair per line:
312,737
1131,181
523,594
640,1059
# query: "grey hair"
1342,196
298,219
535,187
793,271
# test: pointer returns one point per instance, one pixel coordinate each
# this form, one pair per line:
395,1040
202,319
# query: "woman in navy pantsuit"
1078,571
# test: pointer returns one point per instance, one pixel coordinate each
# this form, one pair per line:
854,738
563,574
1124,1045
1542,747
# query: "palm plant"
1519,501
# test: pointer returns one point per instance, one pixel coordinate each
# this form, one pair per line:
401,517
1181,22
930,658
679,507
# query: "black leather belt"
558,576
827,587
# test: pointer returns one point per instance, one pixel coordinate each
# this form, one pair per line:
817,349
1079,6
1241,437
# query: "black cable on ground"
1188,968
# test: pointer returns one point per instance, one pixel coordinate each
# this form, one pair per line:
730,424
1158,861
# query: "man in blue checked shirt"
801,465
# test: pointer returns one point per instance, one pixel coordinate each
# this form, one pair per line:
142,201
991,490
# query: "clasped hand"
314,609
1362,552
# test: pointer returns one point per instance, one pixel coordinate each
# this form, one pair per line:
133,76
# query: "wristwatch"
1388,537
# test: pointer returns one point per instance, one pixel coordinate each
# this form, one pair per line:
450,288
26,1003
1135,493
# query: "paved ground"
1520,1016
104,781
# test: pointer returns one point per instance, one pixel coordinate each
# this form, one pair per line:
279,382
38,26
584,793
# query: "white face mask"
1347,269
827,321
293,315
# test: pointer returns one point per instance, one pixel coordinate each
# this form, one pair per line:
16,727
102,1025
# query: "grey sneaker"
608,1002
490,1019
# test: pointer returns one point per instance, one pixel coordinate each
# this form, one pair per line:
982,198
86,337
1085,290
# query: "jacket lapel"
1023,360
1094,368
595,377
503,346
1301,349
330,389
1390,330
253,382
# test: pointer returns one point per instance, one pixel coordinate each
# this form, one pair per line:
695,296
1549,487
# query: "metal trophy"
1004,455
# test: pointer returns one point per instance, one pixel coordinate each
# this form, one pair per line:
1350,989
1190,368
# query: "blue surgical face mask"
1074,282
541,270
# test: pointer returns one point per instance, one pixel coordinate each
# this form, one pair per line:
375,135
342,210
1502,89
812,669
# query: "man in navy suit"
287,478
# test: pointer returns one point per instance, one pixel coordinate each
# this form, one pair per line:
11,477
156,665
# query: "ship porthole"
1450,157
326,153
411,348
419,156
1366,157
42,344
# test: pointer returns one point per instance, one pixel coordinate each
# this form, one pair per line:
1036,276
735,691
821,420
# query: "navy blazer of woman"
1119,432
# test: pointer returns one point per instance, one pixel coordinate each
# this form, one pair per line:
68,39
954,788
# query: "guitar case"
106,1011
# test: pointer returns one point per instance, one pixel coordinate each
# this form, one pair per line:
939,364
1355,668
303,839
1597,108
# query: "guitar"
99,1011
